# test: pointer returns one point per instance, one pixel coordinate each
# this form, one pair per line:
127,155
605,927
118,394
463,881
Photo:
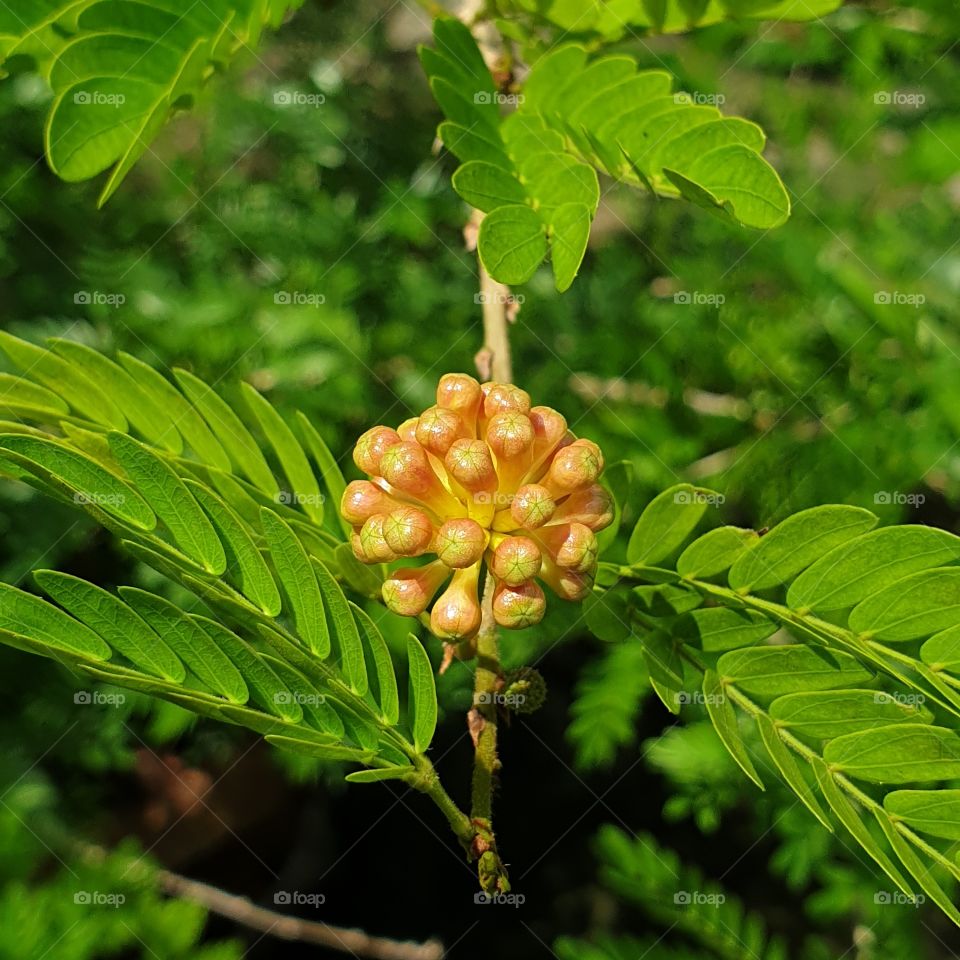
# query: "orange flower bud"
566,584
550,433
516,560
504,398
572,546
460,393
456,614
592,507
437,428
510,435
470,463
519,606
408,591
573,468
532,506
362,499
373,542
408,531
371,447
460,542
406,467
408,429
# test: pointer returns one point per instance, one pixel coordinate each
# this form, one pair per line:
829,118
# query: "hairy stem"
426,781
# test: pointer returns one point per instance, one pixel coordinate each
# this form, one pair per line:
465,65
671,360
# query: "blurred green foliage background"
814,363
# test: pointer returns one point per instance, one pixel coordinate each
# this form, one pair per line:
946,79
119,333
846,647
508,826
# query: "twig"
243,911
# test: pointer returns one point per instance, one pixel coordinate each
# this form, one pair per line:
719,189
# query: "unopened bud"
573,468
408,531
572,546
408,591
460,542
373,542
460,393
592,507
550,433
456,614
371,447
516,560
362,499
406,467
531,508
566,584
510,434
470,463
438,428
504,398
408,429
519,606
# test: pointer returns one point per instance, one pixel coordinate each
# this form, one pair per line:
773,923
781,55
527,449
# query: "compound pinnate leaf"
897,754
854,570
796,543
830,714
915,606
423,695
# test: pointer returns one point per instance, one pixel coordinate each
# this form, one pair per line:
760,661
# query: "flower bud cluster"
481,478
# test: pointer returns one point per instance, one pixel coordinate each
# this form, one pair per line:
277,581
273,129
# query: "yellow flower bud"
456,614
373,542
520,606
460,542
371,446
408,531
408,591
516,560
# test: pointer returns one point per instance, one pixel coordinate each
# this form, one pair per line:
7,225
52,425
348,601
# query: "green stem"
427,781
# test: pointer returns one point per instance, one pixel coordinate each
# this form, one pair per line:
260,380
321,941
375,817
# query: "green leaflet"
15,391
188,422
512,243
266,688
329,468
343,628
789,768
244,562
936,812
915,606
920,871
715,552
423,695
230,431
854,570
144,414
666,522
192,644
63,379
829,714
796,543
942,650
665,600
378,774
607,615
775,670
720,628
298,581
317,712
851,818
29,616
665,667
171,501
320,751
383,677
723,716
111,619
304,490
126,67
93,484
897,754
